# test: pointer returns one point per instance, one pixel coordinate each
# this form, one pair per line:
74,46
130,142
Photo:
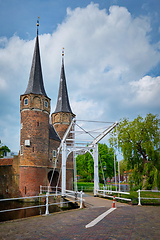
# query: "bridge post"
64,158
47,211
96,175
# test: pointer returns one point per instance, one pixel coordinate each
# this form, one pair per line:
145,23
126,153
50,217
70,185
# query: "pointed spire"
35,84
63,100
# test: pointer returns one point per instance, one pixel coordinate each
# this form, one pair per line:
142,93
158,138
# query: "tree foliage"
3,149
85,164
139,141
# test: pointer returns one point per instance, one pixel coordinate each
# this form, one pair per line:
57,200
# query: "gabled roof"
35,84
53,134
63,100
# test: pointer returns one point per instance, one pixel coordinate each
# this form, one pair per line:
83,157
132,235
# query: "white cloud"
146,91
107,55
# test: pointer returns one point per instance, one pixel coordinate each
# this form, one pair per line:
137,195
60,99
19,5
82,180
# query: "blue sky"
112,57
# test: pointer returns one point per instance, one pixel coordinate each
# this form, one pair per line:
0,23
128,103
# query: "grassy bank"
88,187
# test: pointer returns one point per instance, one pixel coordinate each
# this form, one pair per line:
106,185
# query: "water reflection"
23,213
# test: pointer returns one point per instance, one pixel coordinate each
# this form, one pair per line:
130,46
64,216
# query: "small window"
26,101
33,149
21,150
46,104
54,153
38,124
25,189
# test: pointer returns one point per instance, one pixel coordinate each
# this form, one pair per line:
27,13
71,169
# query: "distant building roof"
63,100
53,134
35,84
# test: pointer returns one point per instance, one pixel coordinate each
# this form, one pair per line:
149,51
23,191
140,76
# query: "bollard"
47,212
114,201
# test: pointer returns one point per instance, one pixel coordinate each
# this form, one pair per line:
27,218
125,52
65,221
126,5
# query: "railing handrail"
40,196
148,190
139,195
113,191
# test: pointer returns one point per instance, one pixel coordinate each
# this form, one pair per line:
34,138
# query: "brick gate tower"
34,140
39,139
61,119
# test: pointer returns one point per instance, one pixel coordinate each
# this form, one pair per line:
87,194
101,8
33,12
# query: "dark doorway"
54,179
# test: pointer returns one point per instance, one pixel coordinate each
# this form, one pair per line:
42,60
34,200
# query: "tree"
139,141
85,163
3,149
106,159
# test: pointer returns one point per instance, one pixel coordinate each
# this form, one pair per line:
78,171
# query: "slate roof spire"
35,84
63,100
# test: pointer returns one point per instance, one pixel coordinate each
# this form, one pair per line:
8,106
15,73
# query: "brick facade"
22,176
9,177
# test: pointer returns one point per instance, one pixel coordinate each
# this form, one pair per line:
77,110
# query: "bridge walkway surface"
125,222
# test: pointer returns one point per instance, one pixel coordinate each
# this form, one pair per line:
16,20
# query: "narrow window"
54,153
21,150
25,190
33,149
38,124
46,104
26,101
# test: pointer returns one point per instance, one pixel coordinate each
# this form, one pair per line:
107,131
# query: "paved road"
126,222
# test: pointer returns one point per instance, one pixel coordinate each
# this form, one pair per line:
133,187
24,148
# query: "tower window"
46,104
21,150
26,101
38,124
54,153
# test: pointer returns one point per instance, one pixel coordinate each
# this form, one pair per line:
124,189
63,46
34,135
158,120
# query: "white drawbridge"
70,143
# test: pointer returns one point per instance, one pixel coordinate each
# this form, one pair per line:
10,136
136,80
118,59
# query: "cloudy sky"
112,57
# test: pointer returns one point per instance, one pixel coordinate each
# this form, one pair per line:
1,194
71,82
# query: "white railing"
139,196
104,191
49,189
77,195
47,204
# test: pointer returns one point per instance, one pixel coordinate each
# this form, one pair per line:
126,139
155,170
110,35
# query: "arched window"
26,101
46,104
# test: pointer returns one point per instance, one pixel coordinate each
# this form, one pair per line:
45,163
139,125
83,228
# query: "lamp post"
104,168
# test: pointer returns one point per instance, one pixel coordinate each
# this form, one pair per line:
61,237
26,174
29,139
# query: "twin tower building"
41,134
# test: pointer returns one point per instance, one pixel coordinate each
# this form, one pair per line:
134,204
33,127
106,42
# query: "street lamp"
104,168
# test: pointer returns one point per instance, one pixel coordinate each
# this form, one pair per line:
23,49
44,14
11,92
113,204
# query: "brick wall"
30,180
9,178
35,127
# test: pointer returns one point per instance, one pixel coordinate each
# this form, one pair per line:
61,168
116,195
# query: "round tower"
34,139
61,119
63,115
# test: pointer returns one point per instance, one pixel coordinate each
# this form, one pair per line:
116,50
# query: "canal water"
23,213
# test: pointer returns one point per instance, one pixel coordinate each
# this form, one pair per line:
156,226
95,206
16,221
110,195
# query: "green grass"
88,187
